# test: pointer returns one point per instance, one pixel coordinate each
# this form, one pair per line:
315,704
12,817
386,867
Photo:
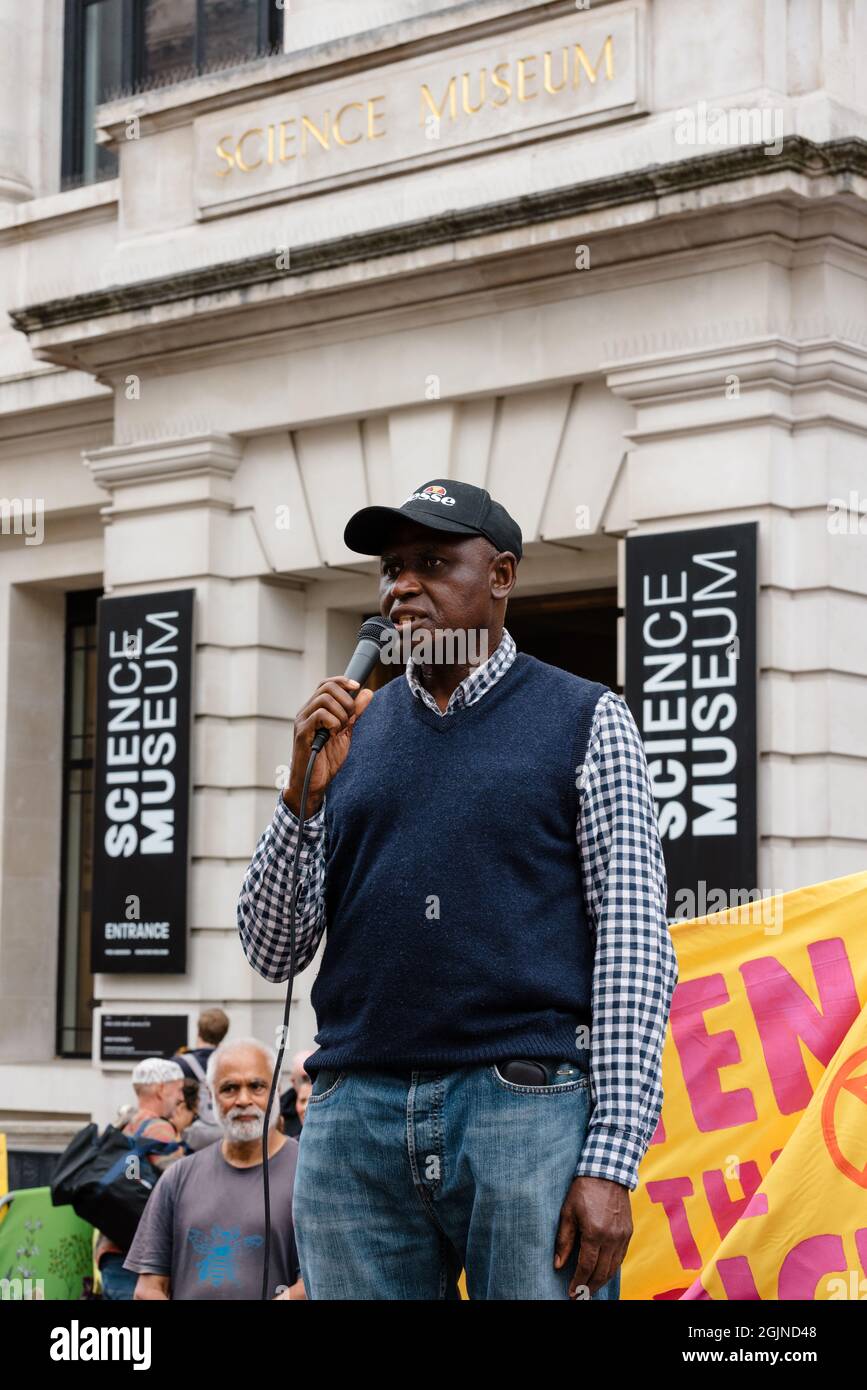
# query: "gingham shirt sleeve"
635,967
263,907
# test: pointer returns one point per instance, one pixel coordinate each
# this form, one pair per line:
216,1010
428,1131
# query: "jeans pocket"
557,1088
326,1083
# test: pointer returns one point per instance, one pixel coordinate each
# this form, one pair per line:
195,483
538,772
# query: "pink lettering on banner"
658,1133
669,1193
737,1279
696,1293
786,1015
702,1054
805,1264
726,1211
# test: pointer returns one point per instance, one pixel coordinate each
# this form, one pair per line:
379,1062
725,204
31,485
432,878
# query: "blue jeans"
118,1283
402,1180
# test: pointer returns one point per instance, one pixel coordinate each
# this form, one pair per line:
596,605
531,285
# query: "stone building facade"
609,261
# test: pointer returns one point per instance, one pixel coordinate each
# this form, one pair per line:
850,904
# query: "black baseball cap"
444,505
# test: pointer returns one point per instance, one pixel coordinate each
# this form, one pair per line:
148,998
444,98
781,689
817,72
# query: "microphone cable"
284,1031
371,637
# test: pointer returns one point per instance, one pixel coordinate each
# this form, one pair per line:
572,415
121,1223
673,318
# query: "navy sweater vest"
456,929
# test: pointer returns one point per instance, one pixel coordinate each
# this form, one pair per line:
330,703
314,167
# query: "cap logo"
433,493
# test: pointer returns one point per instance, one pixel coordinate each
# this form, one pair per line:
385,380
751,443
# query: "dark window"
75,982
229,30
577,631
184,35
169,43
119,45
95,64
103,60
30,1168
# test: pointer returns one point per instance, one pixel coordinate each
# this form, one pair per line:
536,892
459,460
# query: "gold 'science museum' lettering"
553,73
272,141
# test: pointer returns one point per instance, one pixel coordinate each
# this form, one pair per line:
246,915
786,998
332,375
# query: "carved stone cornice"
840,160
143,461
198,468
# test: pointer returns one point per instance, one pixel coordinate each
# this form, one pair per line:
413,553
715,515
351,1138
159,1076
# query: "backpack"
95,1177
206,1104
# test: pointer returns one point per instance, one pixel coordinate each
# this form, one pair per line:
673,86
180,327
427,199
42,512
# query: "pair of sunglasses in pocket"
524,1071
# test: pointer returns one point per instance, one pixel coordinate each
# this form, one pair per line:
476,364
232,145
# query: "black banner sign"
691,685
142,785
132,1037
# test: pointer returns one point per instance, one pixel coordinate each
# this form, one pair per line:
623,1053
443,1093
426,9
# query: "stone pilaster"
173,522
15,183
772,430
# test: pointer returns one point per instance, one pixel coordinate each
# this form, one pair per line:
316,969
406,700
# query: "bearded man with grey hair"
202,1235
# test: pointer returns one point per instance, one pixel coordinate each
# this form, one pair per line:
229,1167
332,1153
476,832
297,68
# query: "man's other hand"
596,1216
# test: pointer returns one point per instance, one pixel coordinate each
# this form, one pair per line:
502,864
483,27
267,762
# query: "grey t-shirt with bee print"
204,1226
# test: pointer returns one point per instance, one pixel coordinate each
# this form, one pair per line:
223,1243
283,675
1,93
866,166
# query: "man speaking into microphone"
480,850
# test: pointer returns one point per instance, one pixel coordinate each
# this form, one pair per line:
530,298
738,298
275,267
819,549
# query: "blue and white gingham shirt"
623,872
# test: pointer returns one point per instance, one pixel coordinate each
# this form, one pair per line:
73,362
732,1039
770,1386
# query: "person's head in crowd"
239,1074
158,1085
188,1105
213,1026
302,1095
296,1070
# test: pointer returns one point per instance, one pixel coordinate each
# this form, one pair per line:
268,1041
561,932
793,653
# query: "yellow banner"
755,1185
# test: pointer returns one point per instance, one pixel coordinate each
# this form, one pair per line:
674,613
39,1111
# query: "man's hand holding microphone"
334,706
327,720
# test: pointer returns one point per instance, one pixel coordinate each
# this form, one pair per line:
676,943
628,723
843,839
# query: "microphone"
366,655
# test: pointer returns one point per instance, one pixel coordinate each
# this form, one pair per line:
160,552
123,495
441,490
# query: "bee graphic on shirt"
217,1265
